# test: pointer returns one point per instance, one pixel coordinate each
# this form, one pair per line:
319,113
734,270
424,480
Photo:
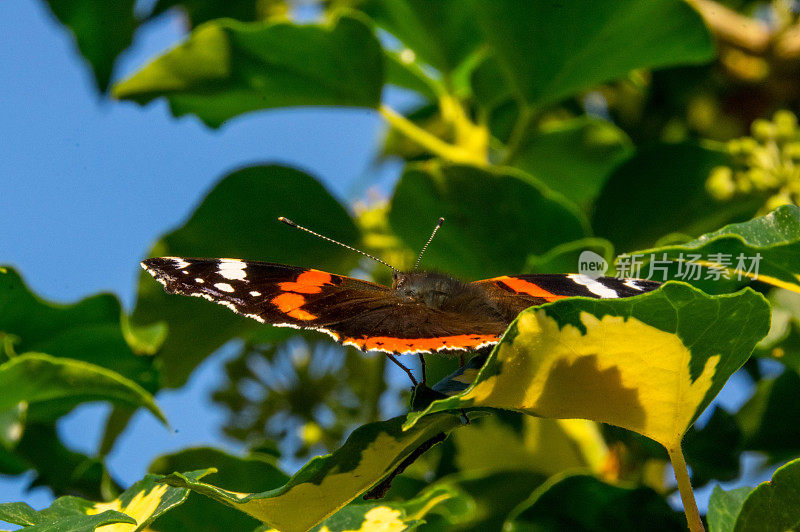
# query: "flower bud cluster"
767,162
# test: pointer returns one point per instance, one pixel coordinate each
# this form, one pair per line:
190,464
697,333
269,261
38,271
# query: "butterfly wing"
366,315
518,292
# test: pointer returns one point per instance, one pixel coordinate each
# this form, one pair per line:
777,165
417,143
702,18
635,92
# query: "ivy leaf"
773,505
574,157
249,231
650,363
583,502
199,11
328,483
394,515
633,216
774,239
255,472
90,330
102,30
551,51
724,507
441,34
227,68
35,377
494,218
138,505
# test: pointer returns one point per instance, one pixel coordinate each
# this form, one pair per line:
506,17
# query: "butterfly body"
422,312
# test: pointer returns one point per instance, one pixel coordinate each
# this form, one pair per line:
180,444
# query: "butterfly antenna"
296,226
438,225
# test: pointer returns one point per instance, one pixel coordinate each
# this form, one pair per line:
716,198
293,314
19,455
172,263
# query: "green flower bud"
785,125
792,151
762,130
720,183
777,200
743,183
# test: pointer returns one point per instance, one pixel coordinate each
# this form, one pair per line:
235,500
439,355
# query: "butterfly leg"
408,371
422,364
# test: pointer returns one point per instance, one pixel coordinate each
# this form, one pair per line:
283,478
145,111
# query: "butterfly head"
431,288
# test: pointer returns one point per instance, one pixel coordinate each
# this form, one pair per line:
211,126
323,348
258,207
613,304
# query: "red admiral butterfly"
422,312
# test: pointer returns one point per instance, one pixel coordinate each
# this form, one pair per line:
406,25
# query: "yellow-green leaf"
766,248
328,483
36,377
227,68
132,511
650,363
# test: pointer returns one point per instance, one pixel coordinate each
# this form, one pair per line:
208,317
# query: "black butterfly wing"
518,292
366,315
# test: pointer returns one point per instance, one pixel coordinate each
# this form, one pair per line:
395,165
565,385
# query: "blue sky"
88,184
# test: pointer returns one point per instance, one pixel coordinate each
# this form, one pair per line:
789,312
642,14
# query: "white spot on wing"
198,280
594,286
225,287
233,269
254,293
178,262
632,284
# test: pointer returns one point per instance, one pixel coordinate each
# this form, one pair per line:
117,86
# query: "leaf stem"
428,141
685,489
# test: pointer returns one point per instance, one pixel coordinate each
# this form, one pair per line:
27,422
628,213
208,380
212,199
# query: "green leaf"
253,473
328,483
773,505
713,452
574,157
583,502
565,258
227,68
89,330
442,33
650,363
551,51
724,507
102,30
392,515
249,231
661,190
770,244
63,471
35,377
494,219
138,505
12,422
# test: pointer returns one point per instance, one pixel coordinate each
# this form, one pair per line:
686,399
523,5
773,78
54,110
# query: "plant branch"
685,489
430,142
748,34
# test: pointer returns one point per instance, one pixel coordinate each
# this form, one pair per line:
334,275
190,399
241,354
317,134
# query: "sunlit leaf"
583,502
766,248
494,219
226,68
255,472
102,30
650,363
551,51
327,483
138,505
260,194
391,515
35,377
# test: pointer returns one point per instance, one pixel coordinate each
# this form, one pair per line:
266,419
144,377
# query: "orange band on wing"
404,345
290,304
525,287
309,282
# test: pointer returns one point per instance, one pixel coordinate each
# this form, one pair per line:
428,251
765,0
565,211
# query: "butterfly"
422,312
